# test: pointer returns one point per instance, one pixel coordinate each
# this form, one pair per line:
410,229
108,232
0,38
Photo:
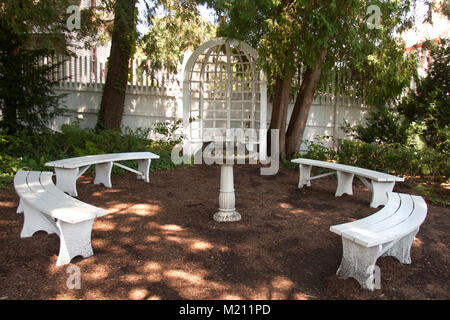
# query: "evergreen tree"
29,31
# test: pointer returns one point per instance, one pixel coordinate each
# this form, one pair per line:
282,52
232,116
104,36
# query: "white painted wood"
344,183
66,180
68,170
381,184
103,174
78,162
47,208
388,232
389,209
366,173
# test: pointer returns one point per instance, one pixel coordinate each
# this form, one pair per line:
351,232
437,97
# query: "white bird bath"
227,210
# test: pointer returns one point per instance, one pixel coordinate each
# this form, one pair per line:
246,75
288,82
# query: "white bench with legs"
49,209
69,170
381,184
388,232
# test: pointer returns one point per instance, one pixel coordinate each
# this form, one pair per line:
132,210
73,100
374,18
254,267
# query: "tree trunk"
122,45
280,104
305,96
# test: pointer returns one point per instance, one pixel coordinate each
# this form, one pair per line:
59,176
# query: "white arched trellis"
223,89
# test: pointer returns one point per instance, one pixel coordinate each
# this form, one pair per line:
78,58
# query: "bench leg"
144,167
380,193
103,174
75,240
34,220
20,207
344,183
402,248
66,180
305,175
357,262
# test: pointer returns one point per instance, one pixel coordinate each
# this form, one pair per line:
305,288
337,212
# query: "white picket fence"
157,97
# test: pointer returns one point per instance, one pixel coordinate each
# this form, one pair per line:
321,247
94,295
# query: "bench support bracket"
74,240
34,221
103,174
358,262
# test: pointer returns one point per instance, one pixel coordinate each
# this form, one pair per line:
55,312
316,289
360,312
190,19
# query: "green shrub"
30,151
393,158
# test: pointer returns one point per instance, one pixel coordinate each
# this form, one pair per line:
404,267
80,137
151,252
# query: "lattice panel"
225,91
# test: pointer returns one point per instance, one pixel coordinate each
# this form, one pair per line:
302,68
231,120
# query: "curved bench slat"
76,162
388,210
368,235
366,173
47,208
49,186
388,232
58,208
68,170
381,184
407,226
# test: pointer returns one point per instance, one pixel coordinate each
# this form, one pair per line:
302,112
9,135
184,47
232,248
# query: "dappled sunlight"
101,225
132,278
417,243
65,296
145,209
171,227
301,296
284,205
8,204
97,272
201,245
230,296
125,229
99,243
140,209
152,238
138,294
152,266
282,283
193,244
189,284
185,276
95,294
166,228
105,191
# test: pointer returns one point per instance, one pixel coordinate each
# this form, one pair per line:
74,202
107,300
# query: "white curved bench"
49,209
388,232
69,170
381,184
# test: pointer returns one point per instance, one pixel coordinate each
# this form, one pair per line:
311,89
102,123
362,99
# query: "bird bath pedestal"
227,210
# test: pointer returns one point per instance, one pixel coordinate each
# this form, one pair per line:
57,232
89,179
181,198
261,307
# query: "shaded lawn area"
159,241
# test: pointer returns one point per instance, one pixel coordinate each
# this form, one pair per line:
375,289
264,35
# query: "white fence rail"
158,97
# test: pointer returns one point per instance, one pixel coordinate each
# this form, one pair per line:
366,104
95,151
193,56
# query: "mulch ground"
159,241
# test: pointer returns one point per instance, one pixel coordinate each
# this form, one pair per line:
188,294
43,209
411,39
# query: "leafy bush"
392,158
30,151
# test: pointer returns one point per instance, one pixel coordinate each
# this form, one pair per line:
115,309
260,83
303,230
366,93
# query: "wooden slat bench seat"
388,232
381,184
69,170
49,209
